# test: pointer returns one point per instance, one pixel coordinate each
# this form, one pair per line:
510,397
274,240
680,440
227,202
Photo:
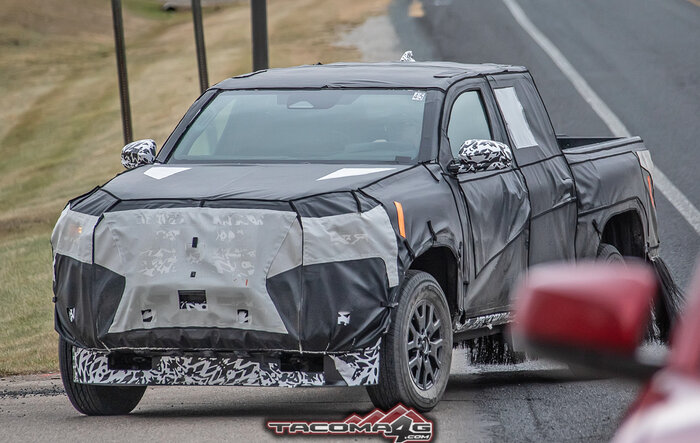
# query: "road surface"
535,401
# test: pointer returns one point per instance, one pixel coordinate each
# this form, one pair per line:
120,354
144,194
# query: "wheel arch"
442,263
625,231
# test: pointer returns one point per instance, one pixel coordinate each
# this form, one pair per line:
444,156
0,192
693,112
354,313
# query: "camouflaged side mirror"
484,155
138,153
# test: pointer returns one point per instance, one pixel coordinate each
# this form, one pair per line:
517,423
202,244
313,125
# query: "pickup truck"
334,225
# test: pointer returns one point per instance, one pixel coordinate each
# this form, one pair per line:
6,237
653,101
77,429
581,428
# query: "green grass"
26,317
60,128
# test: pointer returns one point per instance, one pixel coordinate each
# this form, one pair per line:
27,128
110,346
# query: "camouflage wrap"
140,152
355,368
484,155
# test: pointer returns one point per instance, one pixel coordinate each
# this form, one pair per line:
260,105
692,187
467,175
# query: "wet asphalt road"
534,401
643,59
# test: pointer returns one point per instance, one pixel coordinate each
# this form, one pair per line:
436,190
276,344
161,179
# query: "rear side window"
467,121
514,115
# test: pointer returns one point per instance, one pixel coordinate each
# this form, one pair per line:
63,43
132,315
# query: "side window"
514,115
467,121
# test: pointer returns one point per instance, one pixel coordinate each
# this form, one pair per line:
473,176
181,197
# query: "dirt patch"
21,386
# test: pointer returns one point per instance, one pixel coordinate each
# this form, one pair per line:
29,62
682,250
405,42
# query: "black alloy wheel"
416,352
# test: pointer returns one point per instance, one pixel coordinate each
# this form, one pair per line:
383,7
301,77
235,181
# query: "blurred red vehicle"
597,315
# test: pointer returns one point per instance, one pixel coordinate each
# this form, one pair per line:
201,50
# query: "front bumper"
159,277
358,368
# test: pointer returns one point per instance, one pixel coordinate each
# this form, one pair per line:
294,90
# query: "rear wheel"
609,254
94,399
416,352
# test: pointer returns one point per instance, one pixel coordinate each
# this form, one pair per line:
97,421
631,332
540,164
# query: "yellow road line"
695,2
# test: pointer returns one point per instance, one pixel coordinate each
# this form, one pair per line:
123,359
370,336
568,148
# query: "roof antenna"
407,57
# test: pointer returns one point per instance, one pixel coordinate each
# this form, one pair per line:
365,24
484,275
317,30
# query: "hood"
263,182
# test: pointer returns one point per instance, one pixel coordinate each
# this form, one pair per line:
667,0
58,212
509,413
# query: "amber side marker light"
399,213
651,191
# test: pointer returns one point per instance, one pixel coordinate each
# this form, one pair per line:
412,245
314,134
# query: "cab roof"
421,75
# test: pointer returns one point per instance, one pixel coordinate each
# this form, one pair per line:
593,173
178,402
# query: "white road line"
677,199
663,184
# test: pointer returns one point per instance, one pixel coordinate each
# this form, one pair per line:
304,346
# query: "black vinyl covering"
198,339
549,180
92,292
285,289
365,297
499,214
432,217
553,204
420,75
128,205
271,182
94,203
333,204
609,181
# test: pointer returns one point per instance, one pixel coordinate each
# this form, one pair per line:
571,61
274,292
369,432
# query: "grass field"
60,128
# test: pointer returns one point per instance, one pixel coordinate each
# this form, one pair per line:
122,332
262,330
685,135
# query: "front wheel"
416,352
94,399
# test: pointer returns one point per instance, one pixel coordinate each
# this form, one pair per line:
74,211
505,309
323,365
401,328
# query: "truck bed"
566,142
609,181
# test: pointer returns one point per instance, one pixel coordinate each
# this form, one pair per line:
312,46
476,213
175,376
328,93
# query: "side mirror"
591,314
482,155
138,153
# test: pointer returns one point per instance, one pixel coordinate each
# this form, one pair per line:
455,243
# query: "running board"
481,325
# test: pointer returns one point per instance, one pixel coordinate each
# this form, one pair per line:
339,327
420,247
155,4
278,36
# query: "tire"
94,399
415,357
609,254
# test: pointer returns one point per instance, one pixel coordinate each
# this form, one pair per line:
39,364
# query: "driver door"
496,226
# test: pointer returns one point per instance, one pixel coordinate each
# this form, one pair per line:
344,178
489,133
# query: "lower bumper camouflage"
358,368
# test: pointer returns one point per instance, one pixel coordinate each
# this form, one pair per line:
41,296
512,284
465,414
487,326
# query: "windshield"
347,125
